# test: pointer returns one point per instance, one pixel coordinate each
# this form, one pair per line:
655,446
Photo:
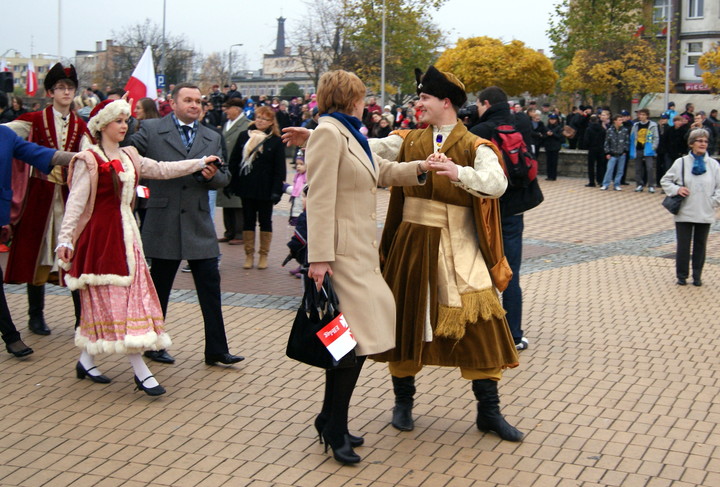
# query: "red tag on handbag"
337,338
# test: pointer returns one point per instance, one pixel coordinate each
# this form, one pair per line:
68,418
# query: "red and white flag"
142,82
3,65
32,83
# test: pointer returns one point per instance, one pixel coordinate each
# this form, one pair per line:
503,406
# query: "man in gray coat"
235,124
178,224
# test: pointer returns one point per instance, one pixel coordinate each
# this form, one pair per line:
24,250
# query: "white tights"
141,370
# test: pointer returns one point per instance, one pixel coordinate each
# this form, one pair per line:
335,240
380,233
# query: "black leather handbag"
318,308
673,203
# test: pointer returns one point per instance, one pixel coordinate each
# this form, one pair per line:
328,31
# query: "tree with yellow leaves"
710,64
480,62
615,70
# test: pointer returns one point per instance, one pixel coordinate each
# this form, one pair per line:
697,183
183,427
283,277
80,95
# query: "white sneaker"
603,188
618,188
651,189
639,189
523,345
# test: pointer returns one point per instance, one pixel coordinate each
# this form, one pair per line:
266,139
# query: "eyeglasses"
63,88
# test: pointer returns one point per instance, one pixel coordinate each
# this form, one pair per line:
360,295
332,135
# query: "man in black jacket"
494,110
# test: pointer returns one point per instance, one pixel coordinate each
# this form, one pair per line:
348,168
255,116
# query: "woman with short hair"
696,177
343,176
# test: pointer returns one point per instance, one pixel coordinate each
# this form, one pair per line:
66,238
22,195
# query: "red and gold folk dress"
121,312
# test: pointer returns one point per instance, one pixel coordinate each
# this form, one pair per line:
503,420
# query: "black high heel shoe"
18,348
158,390
355,441
82,373
341,448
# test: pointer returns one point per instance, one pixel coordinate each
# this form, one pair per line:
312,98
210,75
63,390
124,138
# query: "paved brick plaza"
619,386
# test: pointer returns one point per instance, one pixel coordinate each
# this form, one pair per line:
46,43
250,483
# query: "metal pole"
667,55
162,59
230,66
59,30
382,60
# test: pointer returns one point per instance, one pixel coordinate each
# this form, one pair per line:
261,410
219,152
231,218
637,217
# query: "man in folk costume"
443,258
39,199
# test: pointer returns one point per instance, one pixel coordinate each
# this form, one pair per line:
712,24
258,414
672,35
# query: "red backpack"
521,167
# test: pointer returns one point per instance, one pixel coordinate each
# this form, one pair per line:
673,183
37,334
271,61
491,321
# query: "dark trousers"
207,283
596,164
698,233
551,159
7,327
233,221
255,211
512,228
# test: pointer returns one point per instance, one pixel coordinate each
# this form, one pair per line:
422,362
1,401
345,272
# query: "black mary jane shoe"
223,358
158,390
82,373
320,422
18,348
341,448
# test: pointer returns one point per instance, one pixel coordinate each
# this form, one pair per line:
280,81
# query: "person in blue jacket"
14,147
644,141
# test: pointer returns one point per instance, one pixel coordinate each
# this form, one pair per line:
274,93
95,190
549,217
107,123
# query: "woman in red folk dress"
101,251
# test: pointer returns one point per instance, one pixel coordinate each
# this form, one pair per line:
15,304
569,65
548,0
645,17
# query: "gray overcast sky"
216,24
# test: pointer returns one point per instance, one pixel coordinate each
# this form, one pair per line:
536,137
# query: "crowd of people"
118,237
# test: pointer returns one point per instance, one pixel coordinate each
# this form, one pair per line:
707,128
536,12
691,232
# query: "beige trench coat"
342,228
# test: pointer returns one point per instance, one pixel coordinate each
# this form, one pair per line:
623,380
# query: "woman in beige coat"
343,177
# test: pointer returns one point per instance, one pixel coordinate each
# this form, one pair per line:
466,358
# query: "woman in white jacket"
695,176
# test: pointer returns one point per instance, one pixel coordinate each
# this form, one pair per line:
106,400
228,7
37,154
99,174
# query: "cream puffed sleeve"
486,179
152,169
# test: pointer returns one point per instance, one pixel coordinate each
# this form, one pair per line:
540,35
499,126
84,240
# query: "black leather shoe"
681,281
19,349
38,326
223,358
82,373
697,282
160,356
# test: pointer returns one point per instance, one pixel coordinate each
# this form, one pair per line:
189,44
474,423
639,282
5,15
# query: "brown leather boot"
265,240
249,239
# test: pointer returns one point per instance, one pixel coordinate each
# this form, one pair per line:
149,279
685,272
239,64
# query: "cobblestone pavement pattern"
618,388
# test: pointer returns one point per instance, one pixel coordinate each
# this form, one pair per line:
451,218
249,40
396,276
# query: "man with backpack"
523,193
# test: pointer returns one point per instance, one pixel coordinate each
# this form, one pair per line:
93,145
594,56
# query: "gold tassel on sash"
476,306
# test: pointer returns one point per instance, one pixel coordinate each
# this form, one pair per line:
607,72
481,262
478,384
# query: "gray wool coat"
178,224
231,137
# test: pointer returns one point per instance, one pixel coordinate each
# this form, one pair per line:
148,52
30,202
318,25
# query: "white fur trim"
111,112
130,233
130,344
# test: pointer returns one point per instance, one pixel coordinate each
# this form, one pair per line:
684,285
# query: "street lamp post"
382,60
230,62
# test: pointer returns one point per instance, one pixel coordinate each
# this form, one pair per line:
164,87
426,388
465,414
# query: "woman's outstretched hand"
295,136
442,165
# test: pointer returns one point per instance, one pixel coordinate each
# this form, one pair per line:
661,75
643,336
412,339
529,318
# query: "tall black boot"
335,433
404,388
489,417
322,419
36,305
